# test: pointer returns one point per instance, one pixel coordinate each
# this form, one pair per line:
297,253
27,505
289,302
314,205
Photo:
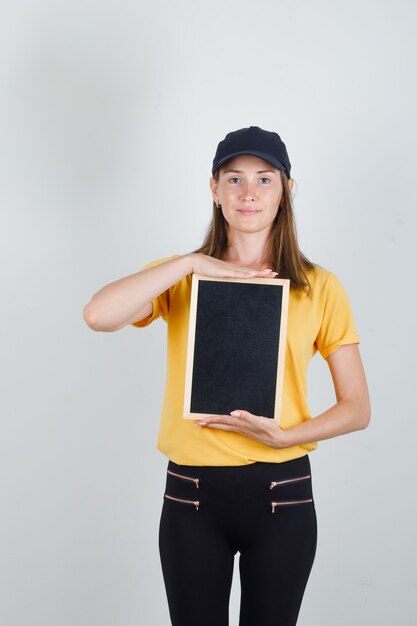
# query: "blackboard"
236,346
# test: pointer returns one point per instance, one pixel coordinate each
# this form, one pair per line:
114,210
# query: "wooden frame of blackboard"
222,310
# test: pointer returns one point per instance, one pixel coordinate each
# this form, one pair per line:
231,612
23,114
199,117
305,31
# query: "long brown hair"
284,255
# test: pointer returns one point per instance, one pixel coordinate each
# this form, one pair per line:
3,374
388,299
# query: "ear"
213,187
290,183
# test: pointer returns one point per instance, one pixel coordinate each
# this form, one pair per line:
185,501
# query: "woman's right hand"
209,266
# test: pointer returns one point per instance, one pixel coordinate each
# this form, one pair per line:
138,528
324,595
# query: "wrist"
283,438
187,263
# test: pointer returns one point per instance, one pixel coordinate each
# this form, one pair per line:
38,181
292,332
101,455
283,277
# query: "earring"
219,205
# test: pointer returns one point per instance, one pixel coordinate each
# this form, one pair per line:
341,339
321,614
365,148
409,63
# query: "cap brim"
261,155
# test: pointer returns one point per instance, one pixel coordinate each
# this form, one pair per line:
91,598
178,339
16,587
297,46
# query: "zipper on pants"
274,504
195,502
274,483
186,477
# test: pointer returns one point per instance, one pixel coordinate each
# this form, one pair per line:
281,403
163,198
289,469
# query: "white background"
111,113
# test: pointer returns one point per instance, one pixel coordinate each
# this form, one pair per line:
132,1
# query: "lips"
248,211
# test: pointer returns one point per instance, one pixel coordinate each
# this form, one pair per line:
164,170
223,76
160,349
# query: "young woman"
241,482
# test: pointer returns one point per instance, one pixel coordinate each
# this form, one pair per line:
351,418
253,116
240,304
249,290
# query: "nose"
248,192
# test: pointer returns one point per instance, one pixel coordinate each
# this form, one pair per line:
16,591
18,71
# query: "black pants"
266,512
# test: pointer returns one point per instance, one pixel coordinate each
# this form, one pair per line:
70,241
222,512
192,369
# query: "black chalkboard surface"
236,346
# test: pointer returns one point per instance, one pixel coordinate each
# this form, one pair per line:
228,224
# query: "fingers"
258,272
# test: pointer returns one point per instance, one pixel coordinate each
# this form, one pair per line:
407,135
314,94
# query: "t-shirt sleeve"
338,326
160,304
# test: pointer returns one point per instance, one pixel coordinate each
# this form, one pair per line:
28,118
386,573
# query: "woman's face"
249,190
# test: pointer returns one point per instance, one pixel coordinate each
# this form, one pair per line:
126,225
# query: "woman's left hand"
262,429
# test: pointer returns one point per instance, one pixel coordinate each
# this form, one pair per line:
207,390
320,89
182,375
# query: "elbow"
360,413
93,321
365,422
365,415
90,318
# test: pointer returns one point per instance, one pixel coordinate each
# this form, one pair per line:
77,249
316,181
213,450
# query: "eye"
233,178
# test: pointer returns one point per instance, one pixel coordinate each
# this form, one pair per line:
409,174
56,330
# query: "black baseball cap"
254,140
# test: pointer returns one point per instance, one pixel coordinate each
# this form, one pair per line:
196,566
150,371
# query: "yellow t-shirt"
322,323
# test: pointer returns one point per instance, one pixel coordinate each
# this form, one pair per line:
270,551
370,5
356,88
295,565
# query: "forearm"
117,303
344,417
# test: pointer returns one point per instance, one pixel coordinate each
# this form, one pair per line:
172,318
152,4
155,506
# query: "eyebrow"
242,172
